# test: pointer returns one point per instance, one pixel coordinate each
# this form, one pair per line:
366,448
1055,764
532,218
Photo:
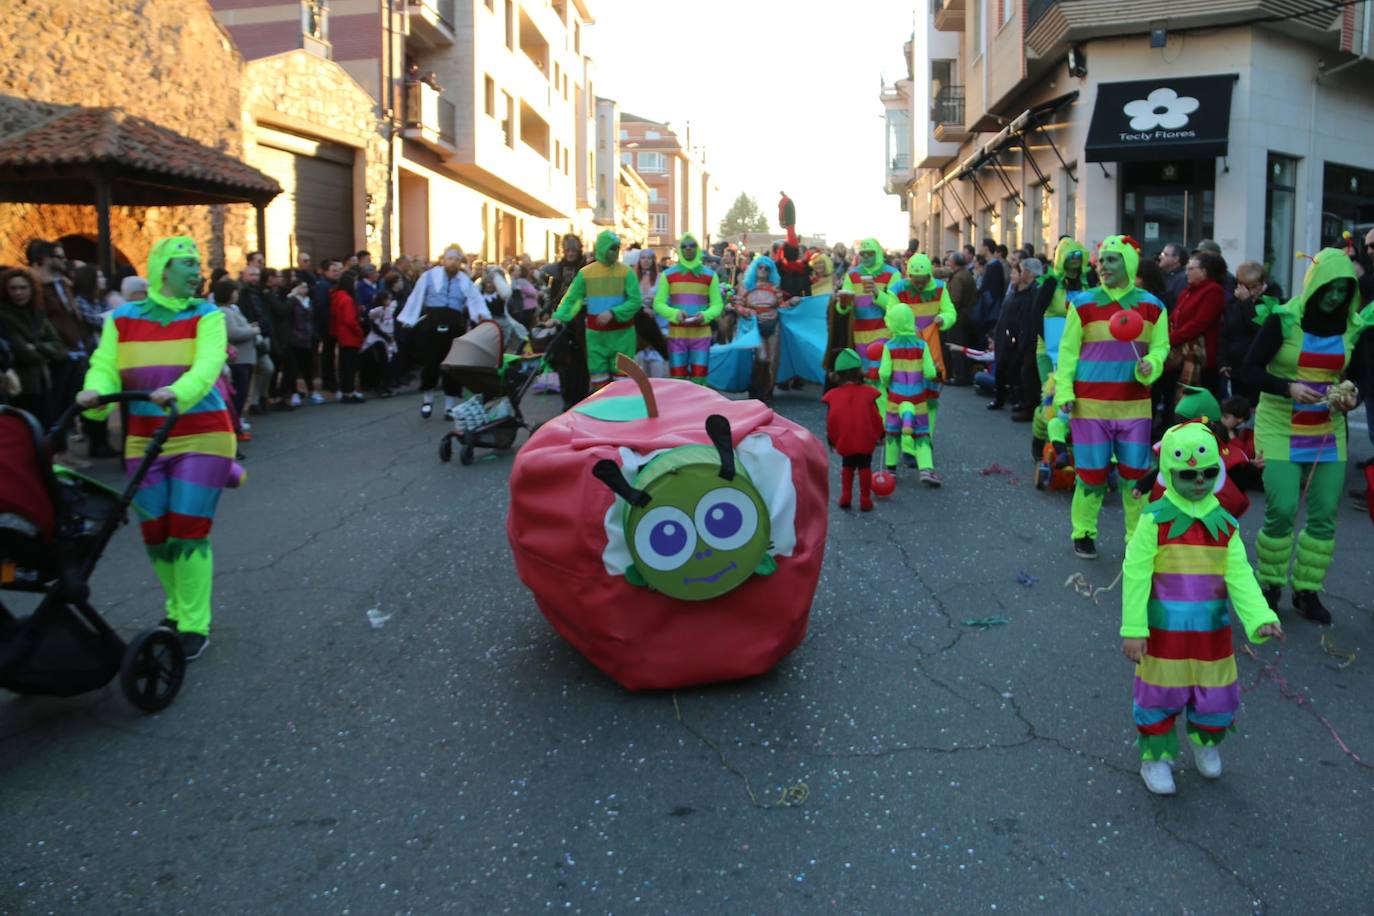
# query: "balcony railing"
948,107
900,163
430,118
432,23
1036,9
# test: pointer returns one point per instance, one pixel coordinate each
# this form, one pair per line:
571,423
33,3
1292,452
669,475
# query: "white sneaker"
1207,760
245,425
338,396
316,398
1158,776
295,400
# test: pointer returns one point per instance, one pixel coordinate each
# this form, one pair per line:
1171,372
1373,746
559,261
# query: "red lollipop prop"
884,483
1126,326
875,351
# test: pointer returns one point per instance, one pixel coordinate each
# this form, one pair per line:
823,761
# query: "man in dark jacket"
331,270
574,382
1174,261
1012,345
963,292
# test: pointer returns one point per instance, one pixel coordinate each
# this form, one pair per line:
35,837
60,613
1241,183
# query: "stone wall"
307,94
169,62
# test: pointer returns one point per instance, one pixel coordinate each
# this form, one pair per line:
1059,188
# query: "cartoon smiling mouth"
715,577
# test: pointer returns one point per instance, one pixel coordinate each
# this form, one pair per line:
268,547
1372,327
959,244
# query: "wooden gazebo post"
102,213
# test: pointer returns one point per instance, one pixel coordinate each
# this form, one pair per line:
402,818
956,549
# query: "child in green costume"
610,293
1183,564
1296,363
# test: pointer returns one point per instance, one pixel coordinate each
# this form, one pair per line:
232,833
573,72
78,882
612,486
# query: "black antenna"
608,472
718,428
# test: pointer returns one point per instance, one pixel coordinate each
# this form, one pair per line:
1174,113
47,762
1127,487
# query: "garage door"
314,212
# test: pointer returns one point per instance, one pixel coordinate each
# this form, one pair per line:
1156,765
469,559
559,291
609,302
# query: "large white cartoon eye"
1202,449
664,538
1178,453
726,518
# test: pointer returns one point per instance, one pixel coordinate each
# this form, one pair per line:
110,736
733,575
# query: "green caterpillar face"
700,536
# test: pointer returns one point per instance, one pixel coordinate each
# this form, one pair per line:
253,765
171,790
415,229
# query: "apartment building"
486,111
678,183
1239,120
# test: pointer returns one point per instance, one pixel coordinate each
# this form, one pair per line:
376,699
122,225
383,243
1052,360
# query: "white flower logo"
1162,108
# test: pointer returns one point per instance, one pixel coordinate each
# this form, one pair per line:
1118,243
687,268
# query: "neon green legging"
187,579
1283,487
911,445
1087,504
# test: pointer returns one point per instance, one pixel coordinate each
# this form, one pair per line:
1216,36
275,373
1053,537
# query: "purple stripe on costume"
206,470
1312,444
681,299
1135,431
904,377
1204,699
697,344
147,378
1188,587
1108,351
1089,432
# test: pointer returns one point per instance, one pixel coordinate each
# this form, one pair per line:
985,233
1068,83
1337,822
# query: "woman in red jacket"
348,331
1198,312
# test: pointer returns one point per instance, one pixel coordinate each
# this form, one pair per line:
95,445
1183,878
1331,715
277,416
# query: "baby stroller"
491,419
54,526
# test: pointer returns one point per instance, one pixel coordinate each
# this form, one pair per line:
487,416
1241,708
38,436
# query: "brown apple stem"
632,369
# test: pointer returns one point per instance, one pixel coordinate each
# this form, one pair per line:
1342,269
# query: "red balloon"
875,351
1126,325
884,483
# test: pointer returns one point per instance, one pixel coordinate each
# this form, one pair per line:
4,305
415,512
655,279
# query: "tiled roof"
38,134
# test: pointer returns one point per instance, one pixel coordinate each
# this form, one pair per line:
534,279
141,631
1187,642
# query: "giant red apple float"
672,535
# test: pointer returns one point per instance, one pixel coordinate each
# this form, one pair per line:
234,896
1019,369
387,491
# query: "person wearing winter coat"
347,329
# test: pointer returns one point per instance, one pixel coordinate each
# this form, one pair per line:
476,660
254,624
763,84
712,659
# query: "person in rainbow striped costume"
688,295
868,284
1296,363
1103,383
904,365
174,345
611,295
929,301
1183,564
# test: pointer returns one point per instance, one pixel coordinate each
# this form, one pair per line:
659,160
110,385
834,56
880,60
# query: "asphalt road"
461,758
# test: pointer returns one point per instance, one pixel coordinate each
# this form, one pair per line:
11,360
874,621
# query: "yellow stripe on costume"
1095,331
689,330
223,445
1086,408
1187,672
133,354
1317,374
1191,559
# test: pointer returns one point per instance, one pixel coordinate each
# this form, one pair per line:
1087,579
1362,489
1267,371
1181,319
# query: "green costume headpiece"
847,359
605,241
1193,447
1066,249
1198,404
177,246
918,265
1125,246
877,250
682,260
900,321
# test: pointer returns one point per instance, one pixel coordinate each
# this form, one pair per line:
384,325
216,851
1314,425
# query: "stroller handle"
120,397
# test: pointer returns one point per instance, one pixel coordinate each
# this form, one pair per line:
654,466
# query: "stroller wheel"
153,668
466,456
445,449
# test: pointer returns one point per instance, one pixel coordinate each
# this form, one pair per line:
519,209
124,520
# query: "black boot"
1309,605
1272,594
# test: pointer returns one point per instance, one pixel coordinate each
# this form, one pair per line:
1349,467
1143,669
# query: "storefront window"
1070,220
1279,197
1011,223
1347,202
1168,202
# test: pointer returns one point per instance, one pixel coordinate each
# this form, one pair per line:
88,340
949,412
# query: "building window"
653,195
652,135
1280,196
1008,11
508,118
624,134
510,24
627,159
1011,223
653,162
1037,224
1069,220
315,19
490,96
1347,203
658,223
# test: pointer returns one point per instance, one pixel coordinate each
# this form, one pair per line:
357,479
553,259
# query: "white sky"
725,65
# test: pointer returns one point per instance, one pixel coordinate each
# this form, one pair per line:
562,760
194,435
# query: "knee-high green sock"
166,574
195,574
1273,554
925,455
1087,504
932,408
891,449
1131,506
1313,559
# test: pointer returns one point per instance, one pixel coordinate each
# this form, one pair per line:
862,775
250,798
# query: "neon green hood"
694,264
1329,264
1129,253
1061,254
918,265
878,265
1190,445
900,321
604,241
176,246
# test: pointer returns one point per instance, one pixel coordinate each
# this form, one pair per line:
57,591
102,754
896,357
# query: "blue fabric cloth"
800,352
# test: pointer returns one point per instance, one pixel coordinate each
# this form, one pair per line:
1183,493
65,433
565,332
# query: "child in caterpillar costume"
1056,288
929,301
868,284
904,365
688,295
175,346
1183,564
611,295
1295,362
1103,383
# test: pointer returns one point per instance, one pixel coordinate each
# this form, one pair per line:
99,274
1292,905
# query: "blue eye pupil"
723,520
668,538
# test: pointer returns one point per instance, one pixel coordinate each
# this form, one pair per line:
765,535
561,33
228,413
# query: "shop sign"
1173,118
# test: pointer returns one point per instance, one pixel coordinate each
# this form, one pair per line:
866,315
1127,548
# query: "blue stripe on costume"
1189,616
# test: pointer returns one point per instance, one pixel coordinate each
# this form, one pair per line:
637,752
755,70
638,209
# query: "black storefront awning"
1165,118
